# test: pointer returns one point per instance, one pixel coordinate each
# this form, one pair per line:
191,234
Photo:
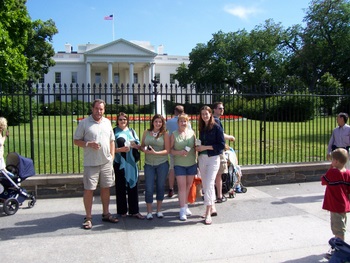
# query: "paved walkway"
278,223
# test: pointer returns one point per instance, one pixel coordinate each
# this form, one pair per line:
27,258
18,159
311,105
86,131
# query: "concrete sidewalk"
275,223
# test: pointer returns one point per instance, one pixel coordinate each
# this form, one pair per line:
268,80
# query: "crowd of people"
171,150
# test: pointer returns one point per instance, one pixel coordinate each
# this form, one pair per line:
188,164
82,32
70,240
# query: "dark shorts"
185,170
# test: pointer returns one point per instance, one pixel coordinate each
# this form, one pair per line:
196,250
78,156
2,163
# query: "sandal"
109,218
87,223
208,220
138,216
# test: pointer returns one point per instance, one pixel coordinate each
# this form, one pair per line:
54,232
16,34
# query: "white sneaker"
149,216
188,211
183,216
160,215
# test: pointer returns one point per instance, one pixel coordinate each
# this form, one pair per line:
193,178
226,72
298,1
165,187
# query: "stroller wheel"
11,206
32,202
244,189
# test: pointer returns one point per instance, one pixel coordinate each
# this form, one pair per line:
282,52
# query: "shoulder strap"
133,132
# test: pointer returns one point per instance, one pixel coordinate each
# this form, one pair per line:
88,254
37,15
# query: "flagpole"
113,28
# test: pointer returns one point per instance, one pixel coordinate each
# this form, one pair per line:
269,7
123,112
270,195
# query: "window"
42,78
74,77
116,78
172,78
58,77
97,78
172,98
136,78
157,76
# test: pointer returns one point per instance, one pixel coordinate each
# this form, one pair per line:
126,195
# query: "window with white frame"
42,78
157,76
74,77
136,78
97,78
58,77
172,78
116,78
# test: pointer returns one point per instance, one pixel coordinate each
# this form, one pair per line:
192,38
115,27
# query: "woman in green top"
185,161
156,146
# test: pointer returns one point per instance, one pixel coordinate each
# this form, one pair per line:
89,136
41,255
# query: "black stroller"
231,181
12,195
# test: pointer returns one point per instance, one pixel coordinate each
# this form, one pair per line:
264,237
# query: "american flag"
110,17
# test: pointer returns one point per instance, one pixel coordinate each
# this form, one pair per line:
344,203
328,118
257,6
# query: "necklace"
155,134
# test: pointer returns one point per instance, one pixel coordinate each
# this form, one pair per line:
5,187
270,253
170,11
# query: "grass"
256,142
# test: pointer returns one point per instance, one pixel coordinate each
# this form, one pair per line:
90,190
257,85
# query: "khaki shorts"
338,223
103,174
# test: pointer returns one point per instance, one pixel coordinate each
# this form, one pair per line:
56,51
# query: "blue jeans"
160,173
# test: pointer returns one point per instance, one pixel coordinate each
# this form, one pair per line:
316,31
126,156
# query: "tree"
326,42
239,59
182,75
39,51
25,51
14,26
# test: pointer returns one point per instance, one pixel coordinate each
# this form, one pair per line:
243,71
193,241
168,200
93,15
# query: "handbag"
135,152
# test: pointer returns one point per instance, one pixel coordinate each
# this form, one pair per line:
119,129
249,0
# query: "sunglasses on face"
121,119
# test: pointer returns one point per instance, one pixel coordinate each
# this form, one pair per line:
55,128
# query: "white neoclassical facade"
118,62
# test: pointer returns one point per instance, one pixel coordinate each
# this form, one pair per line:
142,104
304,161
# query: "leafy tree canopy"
25,49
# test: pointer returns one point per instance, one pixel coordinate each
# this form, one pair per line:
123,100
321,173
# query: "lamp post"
155,92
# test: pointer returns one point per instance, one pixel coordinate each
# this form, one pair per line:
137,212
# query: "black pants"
121,190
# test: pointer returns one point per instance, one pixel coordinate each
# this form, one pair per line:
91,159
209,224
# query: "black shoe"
171,193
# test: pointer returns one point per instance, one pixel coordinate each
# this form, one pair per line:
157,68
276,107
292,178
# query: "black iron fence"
269,128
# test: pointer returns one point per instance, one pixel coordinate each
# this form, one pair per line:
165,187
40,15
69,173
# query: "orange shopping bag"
193,190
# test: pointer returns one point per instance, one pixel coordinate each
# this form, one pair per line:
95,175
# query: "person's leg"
88,199
105,197
181,185
107,180
149,186
218,185
120,190
171,176
133,200
162,172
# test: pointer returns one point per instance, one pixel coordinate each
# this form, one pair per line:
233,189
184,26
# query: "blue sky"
178,25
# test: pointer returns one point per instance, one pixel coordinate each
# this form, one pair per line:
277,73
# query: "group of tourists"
170,147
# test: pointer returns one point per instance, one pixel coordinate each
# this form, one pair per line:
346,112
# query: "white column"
88,80
110,74
88,73
131,80
153,71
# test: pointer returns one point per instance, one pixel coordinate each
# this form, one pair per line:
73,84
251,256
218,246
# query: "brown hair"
162,129
201,123
123,114
99,101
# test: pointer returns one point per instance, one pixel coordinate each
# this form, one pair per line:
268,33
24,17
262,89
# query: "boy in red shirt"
336,197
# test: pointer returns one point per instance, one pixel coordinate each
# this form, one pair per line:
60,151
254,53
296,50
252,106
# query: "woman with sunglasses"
156,146
125,168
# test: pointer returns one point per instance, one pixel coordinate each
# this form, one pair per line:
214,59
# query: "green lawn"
256,143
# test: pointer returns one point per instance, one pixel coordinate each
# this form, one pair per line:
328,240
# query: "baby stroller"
341,251
231,181
12,195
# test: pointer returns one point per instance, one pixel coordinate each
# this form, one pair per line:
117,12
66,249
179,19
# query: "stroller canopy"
24,165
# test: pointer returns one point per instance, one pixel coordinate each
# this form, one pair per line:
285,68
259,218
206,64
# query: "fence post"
31,95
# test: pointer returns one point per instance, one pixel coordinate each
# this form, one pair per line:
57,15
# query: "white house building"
115,63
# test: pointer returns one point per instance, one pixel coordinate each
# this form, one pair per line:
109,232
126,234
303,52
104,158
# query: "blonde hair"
341,155
183,116
3,124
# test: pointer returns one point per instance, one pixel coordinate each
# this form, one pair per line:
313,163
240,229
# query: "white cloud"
241,11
